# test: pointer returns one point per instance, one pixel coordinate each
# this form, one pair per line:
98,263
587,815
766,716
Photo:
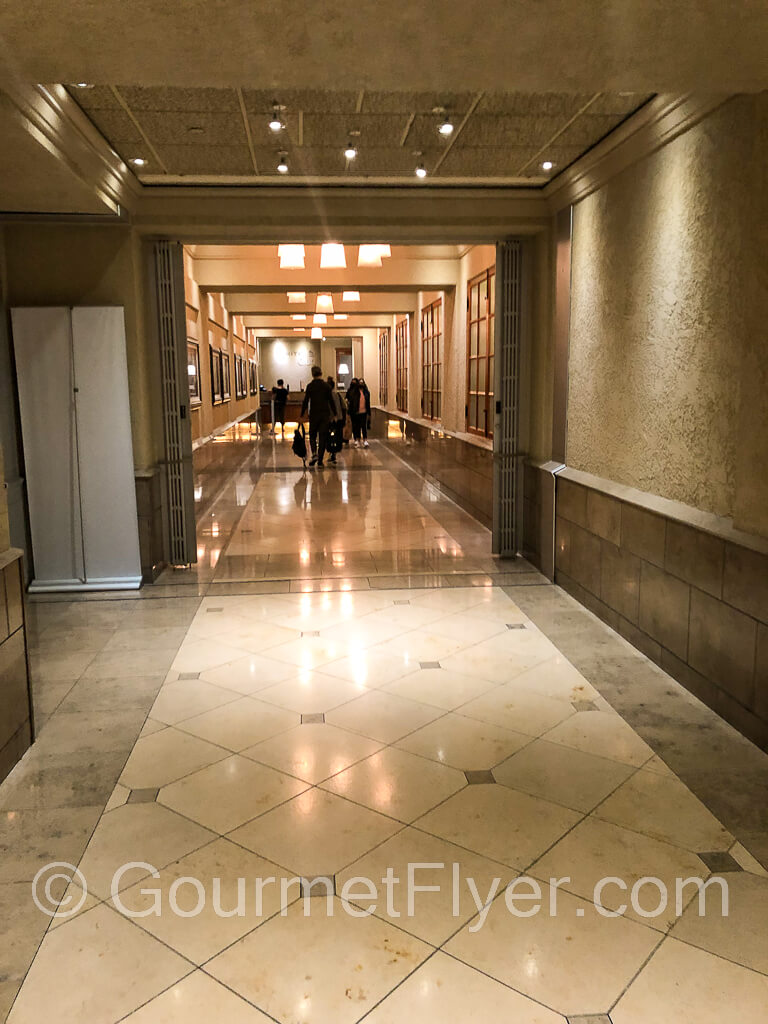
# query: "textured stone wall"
5,539
668,349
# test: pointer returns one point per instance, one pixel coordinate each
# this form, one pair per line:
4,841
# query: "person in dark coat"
359,403
318,402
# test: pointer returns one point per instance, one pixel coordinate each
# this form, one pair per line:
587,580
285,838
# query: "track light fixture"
445,125
282,166
547,165
421,170
351,151
276,122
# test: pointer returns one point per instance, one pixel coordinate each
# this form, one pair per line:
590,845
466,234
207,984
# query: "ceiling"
208,135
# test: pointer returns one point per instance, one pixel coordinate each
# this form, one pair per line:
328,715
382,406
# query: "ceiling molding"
656,124
58,124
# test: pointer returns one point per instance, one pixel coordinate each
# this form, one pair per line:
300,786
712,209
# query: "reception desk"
16,719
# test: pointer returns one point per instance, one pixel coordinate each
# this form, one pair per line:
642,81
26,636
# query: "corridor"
327,751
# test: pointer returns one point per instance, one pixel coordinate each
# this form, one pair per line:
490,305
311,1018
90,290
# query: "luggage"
299,445
335,437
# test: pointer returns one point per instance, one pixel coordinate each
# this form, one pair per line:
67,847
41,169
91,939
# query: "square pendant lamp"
324,303
317,334
340,316
291,257
298,316
368,256
351,297
319,318
294,297
332,256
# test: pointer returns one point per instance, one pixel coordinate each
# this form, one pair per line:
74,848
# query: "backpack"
299,445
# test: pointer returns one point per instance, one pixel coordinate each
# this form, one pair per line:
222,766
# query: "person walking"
318,403
337,421
280,400
359,401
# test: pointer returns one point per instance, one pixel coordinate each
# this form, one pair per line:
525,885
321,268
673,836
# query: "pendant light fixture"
351,151
332,256
421,170
320,318
324,303
350,297
316,334
368,256
276,122
298,316
296,297
282,164
291,257
340,316
445,125
385,249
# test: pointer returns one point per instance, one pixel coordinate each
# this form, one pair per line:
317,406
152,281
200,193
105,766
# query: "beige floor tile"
225,795
197,999
470,629
518,709
602,733
562,774
657,765
119,796
166,756
187,698
449,601
499,823
488,663
464,743
313,752
97,967
397,783
439,686
741,934
309,652
204,655
666,809
383,716
249,674
576,965
320,968
257,637
315,833
436,915
421,645
689,986
241,724
597,850
199,923
150,727
370,668
445,990
311,693
744,858
133,833
556,677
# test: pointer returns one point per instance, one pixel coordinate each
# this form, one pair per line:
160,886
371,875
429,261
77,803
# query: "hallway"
350,684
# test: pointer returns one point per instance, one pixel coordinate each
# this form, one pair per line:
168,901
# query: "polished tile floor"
430,730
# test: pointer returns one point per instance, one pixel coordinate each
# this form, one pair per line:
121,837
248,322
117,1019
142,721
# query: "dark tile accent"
604,516
189,675
583,705
479,778
515,625
401,602
310,632
664,608
722,646
620,580
142,796
318,885
695,557
745,581
316,718
590,1018
643,534
719,862
572,501
585,559
562,545
429,664
214,609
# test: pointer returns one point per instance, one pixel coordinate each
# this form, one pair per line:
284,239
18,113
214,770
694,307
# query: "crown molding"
656,124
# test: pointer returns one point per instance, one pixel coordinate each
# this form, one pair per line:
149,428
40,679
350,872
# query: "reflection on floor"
357,737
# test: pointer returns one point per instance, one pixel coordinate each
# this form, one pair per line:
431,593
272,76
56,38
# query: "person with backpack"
318,404
337,422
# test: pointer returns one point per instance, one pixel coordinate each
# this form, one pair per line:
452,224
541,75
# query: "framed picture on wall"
193,372
226,386
254,376
217,394
241,383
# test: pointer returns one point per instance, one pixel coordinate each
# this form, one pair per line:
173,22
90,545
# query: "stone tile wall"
462,470
16,728
694,602
149,507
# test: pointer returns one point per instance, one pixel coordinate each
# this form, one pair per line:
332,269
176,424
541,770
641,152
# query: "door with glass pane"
480,319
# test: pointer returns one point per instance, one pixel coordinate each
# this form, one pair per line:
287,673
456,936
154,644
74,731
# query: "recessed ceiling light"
300,330
351,151
138,161
445,127
547,165
83,85
298,316
296,296
351,296
332,256
282,166
340,316
421,171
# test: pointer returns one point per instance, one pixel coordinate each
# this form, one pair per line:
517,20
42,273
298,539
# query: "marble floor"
267,756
